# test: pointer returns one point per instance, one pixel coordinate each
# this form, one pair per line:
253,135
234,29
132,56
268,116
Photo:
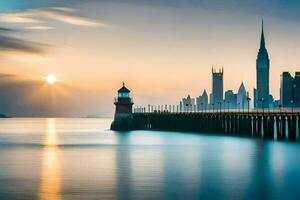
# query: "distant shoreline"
60,117
3,116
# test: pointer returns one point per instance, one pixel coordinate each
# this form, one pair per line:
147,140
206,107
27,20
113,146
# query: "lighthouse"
123,119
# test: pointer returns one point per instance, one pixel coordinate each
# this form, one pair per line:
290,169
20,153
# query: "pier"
272,124
278,124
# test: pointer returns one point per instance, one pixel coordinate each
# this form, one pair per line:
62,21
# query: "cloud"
17,17
35,20
9,76
8,43
61,14
41,28
13,47
6,30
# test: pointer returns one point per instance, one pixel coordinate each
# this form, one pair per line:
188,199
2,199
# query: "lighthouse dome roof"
123,89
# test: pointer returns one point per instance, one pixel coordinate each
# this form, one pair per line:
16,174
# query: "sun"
51,79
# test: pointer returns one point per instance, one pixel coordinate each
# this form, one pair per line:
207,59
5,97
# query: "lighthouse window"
124,95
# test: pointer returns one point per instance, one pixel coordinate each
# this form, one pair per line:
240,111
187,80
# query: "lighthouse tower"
123,119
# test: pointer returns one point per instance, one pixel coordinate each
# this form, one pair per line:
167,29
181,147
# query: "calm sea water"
58,159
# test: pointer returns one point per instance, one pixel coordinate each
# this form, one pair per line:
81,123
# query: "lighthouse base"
122,122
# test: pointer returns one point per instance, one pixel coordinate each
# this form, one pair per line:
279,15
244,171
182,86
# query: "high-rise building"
242,97
217,87
297,90
202,101
286,89
261,93
230,100
290,90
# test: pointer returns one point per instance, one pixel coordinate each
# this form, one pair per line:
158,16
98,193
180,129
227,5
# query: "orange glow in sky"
163,56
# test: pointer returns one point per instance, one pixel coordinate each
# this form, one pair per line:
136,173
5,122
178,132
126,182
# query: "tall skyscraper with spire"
262,93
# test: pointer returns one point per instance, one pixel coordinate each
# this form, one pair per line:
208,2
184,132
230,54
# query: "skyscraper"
296,87
242,97
261,93
286,89
290,90
230,99
217,86
202,101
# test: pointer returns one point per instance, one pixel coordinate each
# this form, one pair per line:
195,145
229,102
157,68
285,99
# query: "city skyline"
104,48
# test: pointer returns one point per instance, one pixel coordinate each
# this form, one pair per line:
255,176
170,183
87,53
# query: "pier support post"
260,126
269,127
292,126
255,126
287,128
297,128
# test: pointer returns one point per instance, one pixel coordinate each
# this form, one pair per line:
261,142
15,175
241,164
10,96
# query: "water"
58,159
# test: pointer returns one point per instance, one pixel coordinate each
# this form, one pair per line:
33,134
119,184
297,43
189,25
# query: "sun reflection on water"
50,176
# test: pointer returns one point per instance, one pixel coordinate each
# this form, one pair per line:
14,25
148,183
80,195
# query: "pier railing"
179,109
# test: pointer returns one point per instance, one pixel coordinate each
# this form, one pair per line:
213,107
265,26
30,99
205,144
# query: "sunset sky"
162,49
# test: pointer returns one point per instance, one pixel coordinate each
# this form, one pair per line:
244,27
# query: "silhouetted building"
202,101
187,104
286,89
230,100
210,98
270,102
276,103
290,90
261,93
217,86
242,97
297,90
